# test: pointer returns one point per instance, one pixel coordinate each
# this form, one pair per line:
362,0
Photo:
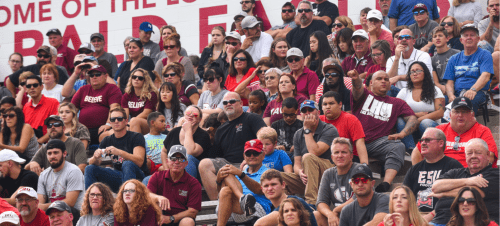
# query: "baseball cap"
53,117
234,34
249,22
361,33
7,154
58,205
98,68
146,26
374,14
96,35
254,144
89,58
44,48
364,170
420,6
288,4
79,57
54,31
9,217
55,143
332,65
177,149
241,14
309,104
461,102
88,46
294,52
27,191
469,27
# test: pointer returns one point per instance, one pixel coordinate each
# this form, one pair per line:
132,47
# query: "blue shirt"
154,144
466,70
79,84
306,206
277,160
402,10
261,199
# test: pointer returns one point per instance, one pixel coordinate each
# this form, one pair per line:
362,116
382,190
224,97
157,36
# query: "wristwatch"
172,219
307,131
473,89
243,174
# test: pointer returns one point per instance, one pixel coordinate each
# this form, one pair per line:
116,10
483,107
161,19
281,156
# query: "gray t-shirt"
354,215
98,220
76,153
111,60
335,189
483,25
439,62
290,24
188,69
151,49
423,35
207,101
325,132
467,11
162,54
55,185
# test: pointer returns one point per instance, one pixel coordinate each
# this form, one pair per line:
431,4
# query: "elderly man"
384,7
378,113
65,55
27,204
375,22
151,49
422,28
420,177
311,153
299,36
469,72
98,41
229,141
13,177
241,199
255,42
461,128
478,174
361,60
306,80
288,17
489,27
178,207
60,214
397,66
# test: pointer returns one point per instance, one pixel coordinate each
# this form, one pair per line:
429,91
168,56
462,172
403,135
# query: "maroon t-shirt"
363,65
188,89
274,110
136,106
41,219
65,57
307,83
94,104
378,115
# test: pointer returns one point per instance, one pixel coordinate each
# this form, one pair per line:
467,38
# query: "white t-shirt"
54,92
420,106
404,64
261,47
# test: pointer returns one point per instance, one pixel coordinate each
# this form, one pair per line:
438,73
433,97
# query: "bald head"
231,95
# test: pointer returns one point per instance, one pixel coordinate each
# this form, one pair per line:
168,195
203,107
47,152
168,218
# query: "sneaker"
383,187
247,203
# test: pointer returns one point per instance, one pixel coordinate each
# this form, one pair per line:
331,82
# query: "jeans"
478,99
424,124
111,177
486,46
192,167
393,92
146,180
408,140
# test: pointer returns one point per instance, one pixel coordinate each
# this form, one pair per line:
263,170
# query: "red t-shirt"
65,57
307,83
476,131
378,115
231,83
94,104
136,106
386,35
41,219
35,116
184,193
274,110
348,126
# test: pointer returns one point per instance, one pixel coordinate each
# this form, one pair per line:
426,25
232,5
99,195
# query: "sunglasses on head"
9,115
292,59
304,10
232,43
113,119
134,40
446,23
307,109
166,75
86,51
240,59
43,56
180,159
471,201
95,75
287,11
34,85
254,153
269,77
232,101
363,180
402,37
333,74
54,124
416,13
141,78
169,47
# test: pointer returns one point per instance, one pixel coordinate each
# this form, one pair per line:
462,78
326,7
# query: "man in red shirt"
375,31
27,204
65,55
462,128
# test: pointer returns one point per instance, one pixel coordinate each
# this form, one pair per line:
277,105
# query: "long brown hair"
140,204
292,80
415,218
250,64
303,214
481,217
107,199
277,62
74,111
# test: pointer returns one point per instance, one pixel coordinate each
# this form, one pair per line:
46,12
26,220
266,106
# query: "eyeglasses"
169,47
416,13
22,83
24,200
232,43
169,74
358,179
85,51
292,59
455,145
9,115
416,72
269,77
130,191
34,85
307,109
94,195
240,59
250,153
15,61
304,10
287,10
427,140
54,124
447,23
460,111
95,75
334,74
180,159
377,55
211,79
113,119
193,114
43,56
407,37
232,101
141,78
339,25
285,115
245,2
471,201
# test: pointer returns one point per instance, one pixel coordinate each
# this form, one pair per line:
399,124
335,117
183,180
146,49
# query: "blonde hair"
346,21
267,133
147,87
415,217
74,111
25,75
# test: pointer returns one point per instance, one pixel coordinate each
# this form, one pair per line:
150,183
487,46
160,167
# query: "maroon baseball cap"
98,68
420,6
254,144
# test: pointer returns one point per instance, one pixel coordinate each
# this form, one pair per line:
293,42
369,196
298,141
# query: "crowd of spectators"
279,125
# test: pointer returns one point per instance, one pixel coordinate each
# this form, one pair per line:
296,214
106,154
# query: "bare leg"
228,203
235,185
208,178
390,174
139,125
187,221
268,220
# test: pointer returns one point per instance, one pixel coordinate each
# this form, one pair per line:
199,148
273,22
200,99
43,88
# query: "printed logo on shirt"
364,62
147,52
461,146
423,199
60,55
136,104
377,109
460,70
239,127
56,193
427,178
276,111
91,99
269,165
183,193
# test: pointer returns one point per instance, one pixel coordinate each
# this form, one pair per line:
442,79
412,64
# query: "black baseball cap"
54,31
58,205
288,4
53,117
362,169
461,102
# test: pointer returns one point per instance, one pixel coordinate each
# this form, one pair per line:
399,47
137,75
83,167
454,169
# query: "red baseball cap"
254,144
420,6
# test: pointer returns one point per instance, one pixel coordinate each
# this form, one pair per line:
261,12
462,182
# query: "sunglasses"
95,75
77,63
332,75
287,10
260,71
426,140
250,153
166,75
85,51
269,77
240,59
455,145
180,159
358,179
285,115
407,37
339,25
416,13
471,201
169,47
447,23
292,59
232,101
113,119
245,2
211,79
416,72
141,78
304,10
22,83
194,114
35,85
54,124
134,40
43,56
306,109
9,115
232,43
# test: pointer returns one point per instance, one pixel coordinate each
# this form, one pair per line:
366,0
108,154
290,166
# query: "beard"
41,62
25,212
56,136
57,164
333,86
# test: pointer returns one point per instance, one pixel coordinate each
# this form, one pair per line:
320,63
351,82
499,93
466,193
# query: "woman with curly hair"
277,54
186,90
292,213
287,88
343,43
469,209
17,135
69,115
403,209
320,50
133,205
170,105
172,47
97,207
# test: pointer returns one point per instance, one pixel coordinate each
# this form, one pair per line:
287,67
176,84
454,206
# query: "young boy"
275,159
441,56
287,126
154,140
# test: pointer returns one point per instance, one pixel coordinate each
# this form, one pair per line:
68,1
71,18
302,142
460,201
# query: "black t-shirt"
26,178
286,132
231,136
200,137
421,177
299,37
145,63
35,69
126,143
491,193
326,9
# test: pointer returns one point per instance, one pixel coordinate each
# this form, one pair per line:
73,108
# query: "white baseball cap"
7,154
360,33
294,52
374,14
88,46
249,22
234,34
27,191
10,217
